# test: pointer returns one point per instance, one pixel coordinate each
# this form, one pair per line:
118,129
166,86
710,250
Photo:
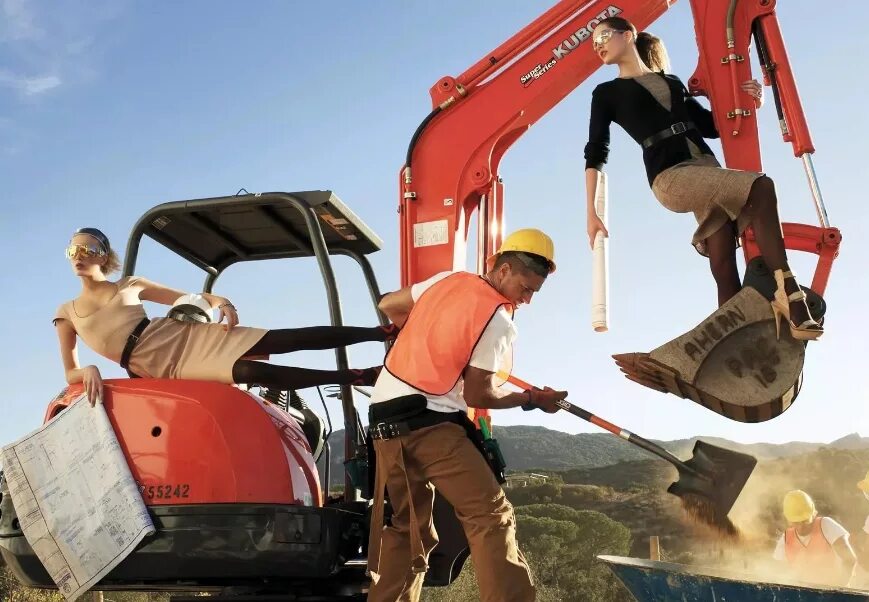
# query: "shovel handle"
612,428
576,411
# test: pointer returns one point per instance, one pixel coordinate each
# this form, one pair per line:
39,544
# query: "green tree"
563,543
540,493
560,545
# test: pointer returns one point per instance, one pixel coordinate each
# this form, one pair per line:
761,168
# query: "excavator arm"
451,169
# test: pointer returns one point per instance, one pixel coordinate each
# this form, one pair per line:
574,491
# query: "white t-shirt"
489,354
832,531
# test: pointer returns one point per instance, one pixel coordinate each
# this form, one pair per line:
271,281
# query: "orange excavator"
230,476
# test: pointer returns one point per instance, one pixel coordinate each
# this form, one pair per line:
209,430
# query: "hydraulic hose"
769,69
413,140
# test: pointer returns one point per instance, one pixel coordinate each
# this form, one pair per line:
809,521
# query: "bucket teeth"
639,368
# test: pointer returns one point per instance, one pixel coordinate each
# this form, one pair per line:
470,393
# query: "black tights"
287,340
762,212
721,247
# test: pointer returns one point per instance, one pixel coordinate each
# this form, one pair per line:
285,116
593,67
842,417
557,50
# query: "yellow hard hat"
527,240
864,484
798,507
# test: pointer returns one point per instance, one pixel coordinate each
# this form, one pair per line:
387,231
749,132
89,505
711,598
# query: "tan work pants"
442,457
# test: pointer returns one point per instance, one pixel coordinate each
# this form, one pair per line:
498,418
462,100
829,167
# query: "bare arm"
158,293
397,305
843,549
594,223
481,392
89,375
69,351
591,178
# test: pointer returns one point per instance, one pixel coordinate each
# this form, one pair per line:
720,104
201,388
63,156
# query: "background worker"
815,548
457,333
861,545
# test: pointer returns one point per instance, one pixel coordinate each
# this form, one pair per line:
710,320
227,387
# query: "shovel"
708,483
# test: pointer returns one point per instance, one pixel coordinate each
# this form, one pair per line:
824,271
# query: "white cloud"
29,86
38,85
46,45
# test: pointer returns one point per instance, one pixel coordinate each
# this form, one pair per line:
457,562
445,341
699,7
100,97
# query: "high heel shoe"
809,330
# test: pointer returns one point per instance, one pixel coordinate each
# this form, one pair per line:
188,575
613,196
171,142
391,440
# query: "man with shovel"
456,334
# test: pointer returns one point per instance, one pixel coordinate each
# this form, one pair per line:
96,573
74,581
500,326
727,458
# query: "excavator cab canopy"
215,233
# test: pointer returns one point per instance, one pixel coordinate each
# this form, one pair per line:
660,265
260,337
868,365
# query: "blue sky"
110,107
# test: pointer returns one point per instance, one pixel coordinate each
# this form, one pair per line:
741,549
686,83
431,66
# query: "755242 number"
166,492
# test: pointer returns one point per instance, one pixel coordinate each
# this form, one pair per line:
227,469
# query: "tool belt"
401,416
131,344
674,130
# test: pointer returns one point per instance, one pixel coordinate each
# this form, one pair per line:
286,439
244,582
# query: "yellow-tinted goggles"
602,37
85,251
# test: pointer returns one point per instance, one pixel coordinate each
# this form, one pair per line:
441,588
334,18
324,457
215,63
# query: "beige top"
657,87
167,348
106,330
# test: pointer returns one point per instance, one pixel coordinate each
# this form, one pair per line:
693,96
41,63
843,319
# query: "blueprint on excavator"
76,500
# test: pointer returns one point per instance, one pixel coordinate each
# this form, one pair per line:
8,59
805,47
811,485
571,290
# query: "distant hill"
536,447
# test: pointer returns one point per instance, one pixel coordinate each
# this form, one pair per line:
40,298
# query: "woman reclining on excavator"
110,319
656,110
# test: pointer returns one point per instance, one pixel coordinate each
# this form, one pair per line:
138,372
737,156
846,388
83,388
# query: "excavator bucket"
731,363
712,481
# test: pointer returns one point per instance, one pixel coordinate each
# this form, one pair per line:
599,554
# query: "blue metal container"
653,581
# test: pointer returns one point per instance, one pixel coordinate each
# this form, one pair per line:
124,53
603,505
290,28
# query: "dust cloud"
742,544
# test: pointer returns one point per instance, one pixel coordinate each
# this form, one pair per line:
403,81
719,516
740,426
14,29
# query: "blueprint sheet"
77,502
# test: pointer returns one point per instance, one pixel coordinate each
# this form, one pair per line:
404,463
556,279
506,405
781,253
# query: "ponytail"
650,48
652,52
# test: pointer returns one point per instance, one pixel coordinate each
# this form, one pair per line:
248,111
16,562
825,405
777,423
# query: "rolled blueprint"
599,268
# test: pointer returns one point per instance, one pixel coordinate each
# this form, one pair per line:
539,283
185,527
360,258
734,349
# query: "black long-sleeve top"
629,104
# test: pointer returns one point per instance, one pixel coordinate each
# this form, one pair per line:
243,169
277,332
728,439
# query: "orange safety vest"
816,561
445,324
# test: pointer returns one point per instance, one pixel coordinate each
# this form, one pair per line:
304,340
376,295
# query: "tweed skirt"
714,194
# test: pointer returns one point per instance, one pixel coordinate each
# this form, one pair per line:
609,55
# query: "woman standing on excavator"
110,319
656,110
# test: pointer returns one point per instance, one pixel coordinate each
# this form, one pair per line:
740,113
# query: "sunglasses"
85,251
599,39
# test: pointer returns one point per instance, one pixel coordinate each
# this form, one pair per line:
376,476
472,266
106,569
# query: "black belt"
387,429
131,344
674,130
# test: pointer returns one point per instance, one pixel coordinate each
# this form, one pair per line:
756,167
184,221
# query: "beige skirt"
169,348
714,194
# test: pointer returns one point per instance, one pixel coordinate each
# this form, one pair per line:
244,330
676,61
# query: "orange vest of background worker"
861,545
816,548
457,332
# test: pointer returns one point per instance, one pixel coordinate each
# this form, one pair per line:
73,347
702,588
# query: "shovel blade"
724,474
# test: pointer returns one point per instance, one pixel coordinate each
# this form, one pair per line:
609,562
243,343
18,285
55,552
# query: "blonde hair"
112,264
650,47
652,51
